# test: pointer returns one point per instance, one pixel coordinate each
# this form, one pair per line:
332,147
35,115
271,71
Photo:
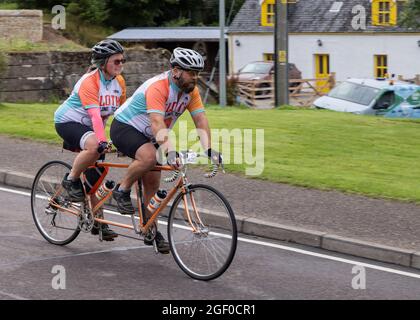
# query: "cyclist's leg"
85,158
151,182
76,137
107,233
144,161
135,145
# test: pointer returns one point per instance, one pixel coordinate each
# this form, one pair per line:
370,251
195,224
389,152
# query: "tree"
119,14
38,4
92,11
410,16
198,12
142,13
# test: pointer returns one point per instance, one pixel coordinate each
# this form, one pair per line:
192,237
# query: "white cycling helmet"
187,59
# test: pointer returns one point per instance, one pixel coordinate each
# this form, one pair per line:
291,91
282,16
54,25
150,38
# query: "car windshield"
354,93
263,68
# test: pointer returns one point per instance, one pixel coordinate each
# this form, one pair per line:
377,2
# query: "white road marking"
74,255
267,244
11,295
16,191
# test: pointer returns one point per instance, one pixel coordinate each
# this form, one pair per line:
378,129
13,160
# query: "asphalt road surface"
127,269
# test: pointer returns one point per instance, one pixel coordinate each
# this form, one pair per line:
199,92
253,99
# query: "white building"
353,38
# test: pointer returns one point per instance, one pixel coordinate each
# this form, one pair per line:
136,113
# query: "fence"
302,92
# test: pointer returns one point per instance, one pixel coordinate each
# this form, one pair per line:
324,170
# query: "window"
268,9
381,66
354,93
267,13
384,12
385,101
259,67
268,56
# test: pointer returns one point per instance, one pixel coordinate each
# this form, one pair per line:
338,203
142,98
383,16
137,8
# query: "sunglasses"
117,62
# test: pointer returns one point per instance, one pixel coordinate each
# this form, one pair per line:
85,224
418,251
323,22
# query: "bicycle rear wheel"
49,202
202,232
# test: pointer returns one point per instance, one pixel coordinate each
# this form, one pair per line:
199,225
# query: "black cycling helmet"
104,49
187,59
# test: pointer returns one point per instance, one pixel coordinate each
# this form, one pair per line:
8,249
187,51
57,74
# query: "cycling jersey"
92,91
158,95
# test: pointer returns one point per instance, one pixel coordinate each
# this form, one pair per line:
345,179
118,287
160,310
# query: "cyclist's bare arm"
160,131
203,129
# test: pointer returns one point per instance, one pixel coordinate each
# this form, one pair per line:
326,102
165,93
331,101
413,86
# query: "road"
126,269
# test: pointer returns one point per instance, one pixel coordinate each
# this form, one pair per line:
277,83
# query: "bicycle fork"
197,225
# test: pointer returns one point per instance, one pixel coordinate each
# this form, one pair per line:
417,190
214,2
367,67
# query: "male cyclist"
141,125
81,119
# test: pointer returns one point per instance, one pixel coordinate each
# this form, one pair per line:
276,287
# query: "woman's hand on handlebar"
104,147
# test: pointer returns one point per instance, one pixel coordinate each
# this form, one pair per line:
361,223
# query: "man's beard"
187,88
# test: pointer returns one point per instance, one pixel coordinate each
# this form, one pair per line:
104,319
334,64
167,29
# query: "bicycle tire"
42,211
215,231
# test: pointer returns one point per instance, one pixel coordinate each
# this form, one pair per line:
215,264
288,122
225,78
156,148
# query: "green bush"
84,33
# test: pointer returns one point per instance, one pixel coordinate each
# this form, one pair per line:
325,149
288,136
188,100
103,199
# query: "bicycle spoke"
200,253
55,225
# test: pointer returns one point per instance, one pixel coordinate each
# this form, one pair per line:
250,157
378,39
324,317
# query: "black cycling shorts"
72,133
127,139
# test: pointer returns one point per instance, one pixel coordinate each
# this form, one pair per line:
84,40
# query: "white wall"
351,55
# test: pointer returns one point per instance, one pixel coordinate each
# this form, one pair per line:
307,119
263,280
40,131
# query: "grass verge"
321,149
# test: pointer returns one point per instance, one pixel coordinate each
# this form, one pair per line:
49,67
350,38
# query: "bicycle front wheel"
202,232
55,217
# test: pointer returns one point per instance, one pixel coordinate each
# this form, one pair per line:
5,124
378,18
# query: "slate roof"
168,34
310,16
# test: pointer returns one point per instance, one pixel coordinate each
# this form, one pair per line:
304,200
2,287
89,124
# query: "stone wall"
50,76
23,24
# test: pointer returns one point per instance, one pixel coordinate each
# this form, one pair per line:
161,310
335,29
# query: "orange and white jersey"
160,95
92,91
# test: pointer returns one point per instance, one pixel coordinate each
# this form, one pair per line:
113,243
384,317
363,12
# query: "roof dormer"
268,9
384,12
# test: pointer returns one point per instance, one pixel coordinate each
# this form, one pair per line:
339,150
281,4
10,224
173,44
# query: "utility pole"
281,54
222,55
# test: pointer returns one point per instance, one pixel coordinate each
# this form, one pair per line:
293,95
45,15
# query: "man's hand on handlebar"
215,157
173,160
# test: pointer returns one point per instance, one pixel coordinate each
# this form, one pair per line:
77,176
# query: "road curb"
415,261
17,179
257,227
2,177
275,231
368,250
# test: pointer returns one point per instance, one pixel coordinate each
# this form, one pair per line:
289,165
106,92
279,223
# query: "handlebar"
185,156
190,157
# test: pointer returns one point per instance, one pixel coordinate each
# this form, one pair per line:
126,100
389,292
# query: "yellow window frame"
384,12
268,8
381,66
268,56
